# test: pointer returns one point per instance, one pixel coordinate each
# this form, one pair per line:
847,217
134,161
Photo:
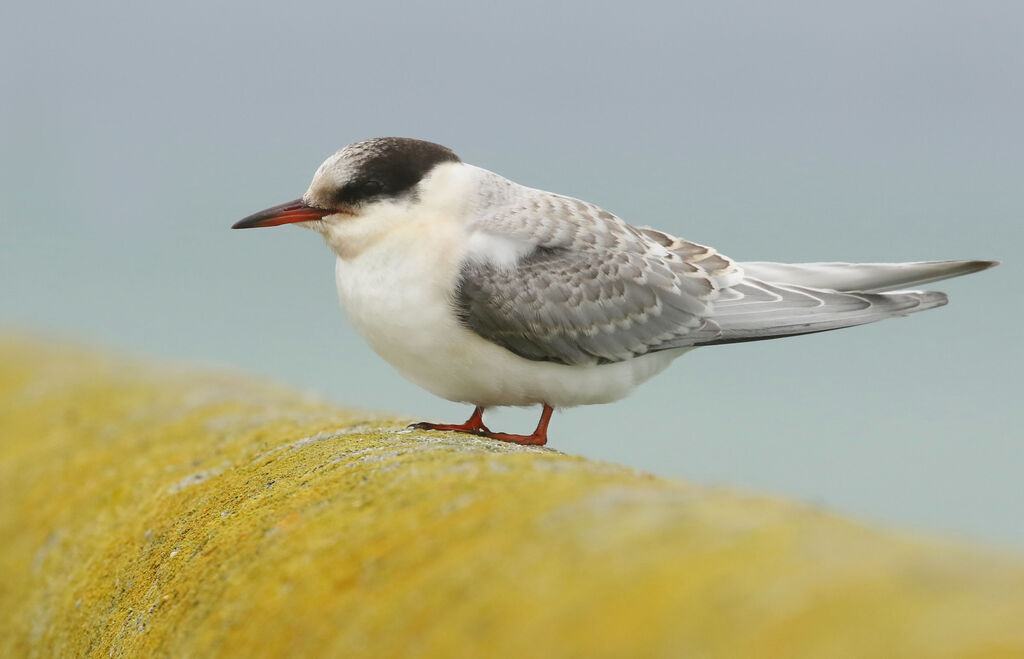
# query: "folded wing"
584,287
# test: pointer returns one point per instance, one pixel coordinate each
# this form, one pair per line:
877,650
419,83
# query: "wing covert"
590,288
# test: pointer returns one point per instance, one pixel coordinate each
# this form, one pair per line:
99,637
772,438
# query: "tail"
775,300
862,277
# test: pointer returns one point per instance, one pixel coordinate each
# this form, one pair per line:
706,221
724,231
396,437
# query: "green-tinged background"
132,135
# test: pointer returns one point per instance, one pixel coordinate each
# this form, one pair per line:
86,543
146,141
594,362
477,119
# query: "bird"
491,293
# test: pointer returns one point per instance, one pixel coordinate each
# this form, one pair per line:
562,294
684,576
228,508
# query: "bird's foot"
452,427
536,439
474,425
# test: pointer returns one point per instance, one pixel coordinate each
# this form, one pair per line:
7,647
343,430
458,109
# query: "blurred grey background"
134,134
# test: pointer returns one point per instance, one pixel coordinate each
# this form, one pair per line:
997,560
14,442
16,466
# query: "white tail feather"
861,277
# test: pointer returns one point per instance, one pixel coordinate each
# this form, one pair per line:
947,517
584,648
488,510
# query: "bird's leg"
475,424
538,438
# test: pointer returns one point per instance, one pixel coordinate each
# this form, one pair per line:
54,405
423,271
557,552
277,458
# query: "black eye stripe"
358,191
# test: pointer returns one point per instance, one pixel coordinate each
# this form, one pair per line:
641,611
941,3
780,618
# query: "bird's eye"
359,191
370,187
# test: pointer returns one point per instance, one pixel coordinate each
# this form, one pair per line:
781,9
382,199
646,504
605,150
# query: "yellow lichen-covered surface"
154,511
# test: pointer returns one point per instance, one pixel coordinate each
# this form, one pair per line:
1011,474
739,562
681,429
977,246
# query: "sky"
132,135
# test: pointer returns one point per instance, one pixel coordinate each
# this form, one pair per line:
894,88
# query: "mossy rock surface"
156,511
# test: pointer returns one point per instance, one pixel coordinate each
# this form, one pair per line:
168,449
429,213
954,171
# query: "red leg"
475,424
538,438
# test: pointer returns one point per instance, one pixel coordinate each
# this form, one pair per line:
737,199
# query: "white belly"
396,296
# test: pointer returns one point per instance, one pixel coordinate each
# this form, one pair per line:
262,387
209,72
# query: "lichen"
160,511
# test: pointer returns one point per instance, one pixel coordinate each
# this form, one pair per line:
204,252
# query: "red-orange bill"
286,213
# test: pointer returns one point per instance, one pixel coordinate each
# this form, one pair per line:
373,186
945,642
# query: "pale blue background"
134,134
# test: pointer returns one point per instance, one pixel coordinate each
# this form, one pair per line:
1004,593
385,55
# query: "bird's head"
357,180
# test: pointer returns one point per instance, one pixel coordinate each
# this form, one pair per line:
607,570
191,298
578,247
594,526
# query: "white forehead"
331,174
338,167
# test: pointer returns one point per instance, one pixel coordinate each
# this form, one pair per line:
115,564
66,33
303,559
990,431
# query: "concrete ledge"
153,511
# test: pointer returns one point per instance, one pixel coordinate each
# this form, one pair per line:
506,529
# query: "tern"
491,293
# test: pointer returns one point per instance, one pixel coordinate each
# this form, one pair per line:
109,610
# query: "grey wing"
586,287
